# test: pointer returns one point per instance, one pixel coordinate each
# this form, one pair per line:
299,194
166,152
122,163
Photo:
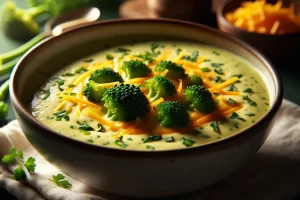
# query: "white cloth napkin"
272,174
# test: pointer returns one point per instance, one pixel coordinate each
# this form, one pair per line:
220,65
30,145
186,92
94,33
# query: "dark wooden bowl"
275,47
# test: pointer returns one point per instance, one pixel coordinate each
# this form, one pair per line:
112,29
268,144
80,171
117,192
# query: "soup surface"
68,105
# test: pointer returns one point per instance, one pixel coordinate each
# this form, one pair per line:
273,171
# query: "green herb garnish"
90,140
250,114
81,70
84,126
231,101
68,74
218,79
232,88
234,115
152,138
59,181
219,71
48,117
193,57
100,128
248,90
150,147
169,139
239,75
205,69
216,64
236,125
109,57
250,102
215,126
216,53
120,143
72,127
44,94
187,142
61,115
85,132
17,156
60,82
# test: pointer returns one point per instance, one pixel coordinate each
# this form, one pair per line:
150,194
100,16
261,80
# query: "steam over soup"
153,96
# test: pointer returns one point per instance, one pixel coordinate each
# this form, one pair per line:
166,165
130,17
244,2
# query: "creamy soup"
236,97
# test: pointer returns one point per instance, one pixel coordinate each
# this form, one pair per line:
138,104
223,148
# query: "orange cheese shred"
158,101
179,89
164,73
137,80
76,100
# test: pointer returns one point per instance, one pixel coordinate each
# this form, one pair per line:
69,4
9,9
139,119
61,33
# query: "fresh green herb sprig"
17,156
60,181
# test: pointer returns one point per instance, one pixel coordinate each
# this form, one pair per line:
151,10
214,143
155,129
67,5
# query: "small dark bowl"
276,47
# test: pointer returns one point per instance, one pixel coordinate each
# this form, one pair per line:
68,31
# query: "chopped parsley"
90,140
219,71
239,75
178,51
85,126
169,139
203,135
61,115
248,90
150,147
263,98
89,60
193,57
215,126
216,53
130,139
205,69
187,142
236,125
232,88
72,127
218,79
109,57
100,128
234,115
73,94
147,56
267,104
85,132
120,143
60,82
231,101
250,114
207,60
44,94
81,70
121,50
152,138
250,102
216,64
48,117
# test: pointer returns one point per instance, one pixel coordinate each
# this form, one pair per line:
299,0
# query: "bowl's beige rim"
217,145
220,17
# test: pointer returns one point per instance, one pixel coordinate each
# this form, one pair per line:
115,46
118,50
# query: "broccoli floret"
125,102
200,98
160,86
174,71
172,114
94,91
195,79
19,24
135,69
105,75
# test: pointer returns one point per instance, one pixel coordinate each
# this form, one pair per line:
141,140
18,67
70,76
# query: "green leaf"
205,69
193,57
231,101
248,90
250,114
30,164
232,88
239,75
216,53
216,64
68,74
100,128
219,71
150,147
109,57
19,154
250,102
59,181
19,174
81,70
84,126
187,142
89,60
61,115
234,115
218,79
85,132
169,139
215,126
153,138
8,158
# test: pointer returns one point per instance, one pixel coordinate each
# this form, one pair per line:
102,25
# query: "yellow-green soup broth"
237,88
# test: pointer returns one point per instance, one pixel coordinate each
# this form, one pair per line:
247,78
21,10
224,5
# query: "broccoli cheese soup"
153,96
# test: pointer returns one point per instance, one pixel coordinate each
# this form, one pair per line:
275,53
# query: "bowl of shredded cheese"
273,27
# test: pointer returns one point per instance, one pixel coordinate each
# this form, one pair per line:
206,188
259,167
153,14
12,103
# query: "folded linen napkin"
273,173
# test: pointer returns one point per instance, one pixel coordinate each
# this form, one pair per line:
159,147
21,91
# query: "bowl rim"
219,144
222,21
